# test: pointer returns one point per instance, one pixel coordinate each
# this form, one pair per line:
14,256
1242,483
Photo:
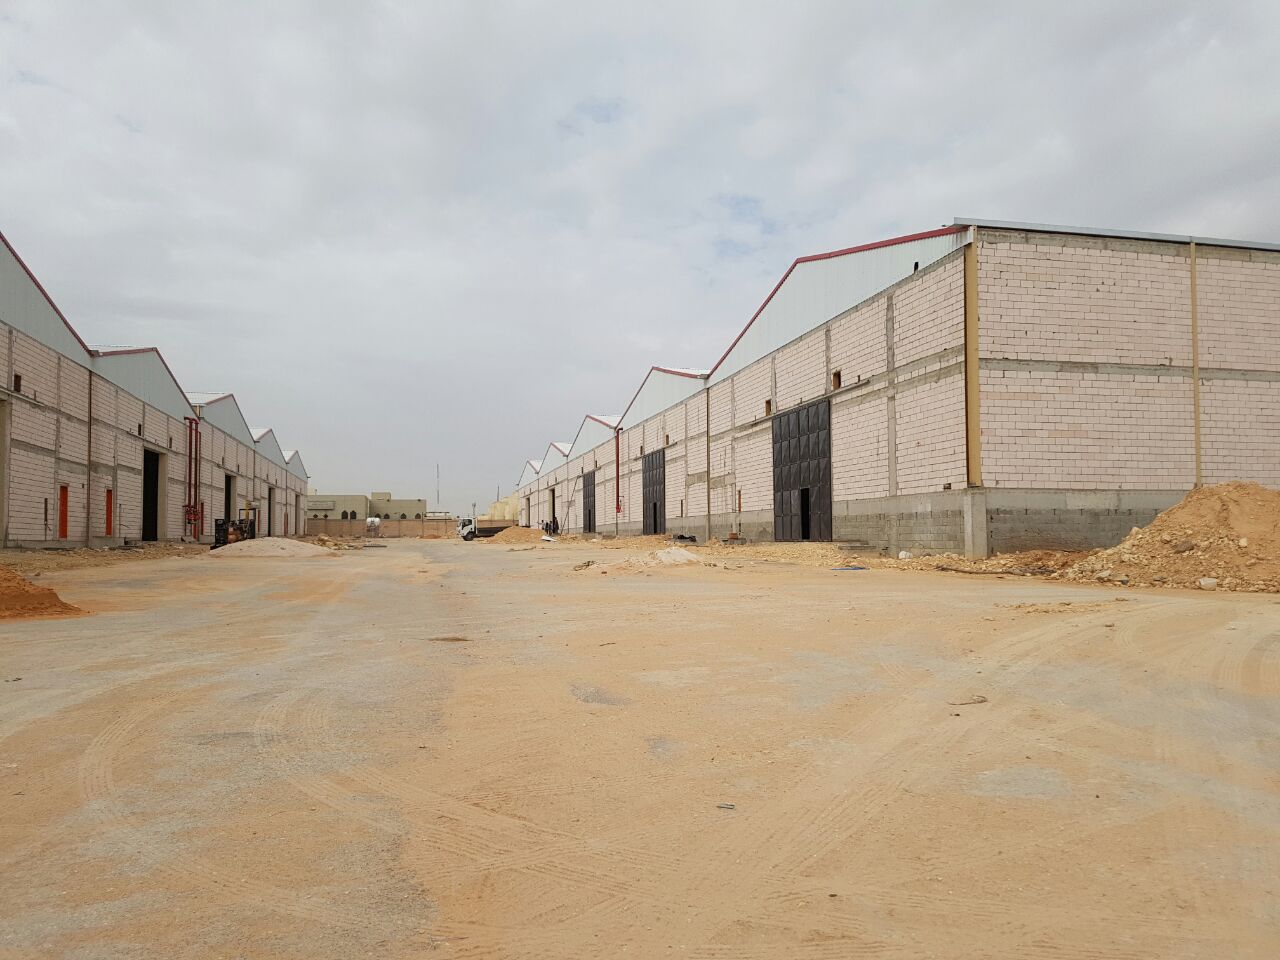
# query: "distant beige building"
357,506
382,504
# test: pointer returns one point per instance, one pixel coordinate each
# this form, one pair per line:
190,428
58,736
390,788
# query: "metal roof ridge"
1119,234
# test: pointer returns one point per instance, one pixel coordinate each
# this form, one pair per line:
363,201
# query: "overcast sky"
414,233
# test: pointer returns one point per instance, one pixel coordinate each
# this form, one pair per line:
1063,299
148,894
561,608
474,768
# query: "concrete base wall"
1069,519
974,522
921,523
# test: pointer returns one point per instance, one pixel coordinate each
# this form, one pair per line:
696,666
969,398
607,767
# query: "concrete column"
975,523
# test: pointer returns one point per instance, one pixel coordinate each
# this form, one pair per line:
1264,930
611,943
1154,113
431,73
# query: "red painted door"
62,513
111,510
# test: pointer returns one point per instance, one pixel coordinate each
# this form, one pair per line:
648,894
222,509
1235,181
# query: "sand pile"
272,547
670,557
1221,537
21,599
517,535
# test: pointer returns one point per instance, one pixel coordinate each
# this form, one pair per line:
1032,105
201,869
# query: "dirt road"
465,750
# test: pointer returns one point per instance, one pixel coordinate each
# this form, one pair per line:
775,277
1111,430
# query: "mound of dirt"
517,535
1229,533
331,544
20,599
670,557
272,547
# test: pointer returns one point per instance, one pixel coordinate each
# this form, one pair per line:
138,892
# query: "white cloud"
406,234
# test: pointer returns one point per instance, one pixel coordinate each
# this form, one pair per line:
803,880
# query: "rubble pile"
1224,537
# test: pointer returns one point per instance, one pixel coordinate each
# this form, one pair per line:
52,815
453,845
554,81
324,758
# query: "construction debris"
1221,537
330,543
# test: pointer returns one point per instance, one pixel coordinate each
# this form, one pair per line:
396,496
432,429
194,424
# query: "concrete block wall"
1045,429
860,455
928,316
72,427
800,370
1086,349
1083,299
858,345
1240,427
922,318
930,435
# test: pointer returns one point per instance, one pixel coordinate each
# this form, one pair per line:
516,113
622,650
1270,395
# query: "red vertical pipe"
617,470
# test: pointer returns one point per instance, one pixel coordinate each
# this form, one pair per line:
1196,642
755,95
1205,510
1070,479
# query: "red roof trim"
605,423
45,293
893,242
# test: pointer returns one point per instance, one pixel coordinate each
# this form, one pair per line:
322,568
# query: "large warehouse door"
653,486
589,502
802,473
150,495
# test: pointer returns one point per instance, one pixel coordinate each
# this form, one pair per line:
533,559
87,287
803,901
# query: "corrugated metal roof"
594,430
822,286
662,387
1108,232
529,473
223,411
27,306
269,446
144,372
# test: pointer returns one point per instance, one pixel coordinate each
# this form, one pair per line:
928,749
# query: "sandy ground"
442,749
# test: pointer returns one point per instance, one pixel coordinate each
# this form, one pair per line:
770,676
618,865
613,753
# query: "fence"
429,527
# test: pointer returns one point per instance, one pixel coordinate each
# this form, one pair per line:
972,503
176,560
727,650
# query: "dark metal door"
589,502
150,495
802,473
654,488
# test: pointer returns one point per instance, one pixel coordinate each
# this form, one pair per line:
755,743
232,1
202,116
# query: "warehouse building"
983,387
99,445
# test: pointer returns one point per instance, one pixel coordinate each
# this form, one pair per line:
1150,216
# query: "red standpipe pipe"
617,470
193,451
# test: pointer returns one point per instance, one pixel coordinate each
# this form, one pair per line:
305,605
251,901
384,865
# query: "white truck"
471,527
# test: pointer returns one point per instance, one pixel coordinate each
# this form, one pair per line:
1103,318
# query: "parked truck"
471,527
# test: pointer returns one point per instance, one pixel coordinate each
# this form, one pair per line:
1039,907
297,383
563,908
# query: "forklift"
244,527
